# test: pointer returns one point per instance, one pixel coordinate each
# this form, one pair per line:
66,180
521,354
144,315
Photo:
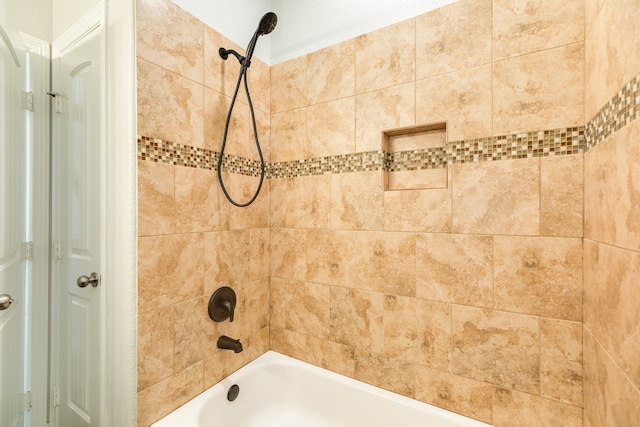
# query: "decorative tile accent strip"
432,158
157,150
518,146
345,163
621,110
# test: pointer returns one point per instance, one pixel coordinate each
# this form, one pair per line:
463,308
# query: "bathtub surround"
469,297
190,240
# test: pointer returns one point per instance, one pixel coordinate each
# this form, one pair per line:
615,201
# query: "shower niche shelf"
416,157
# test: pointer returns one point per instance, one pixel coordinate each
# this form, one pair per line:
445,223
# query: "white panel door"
77,227
13,213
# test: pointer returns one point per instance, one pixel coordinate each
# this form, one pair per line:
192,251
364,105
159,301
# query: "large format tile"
156,198
170,270
252,309
289,135
289,85
522,28
462,99
195,333
357,201
155,346
427,210
356,318
561,361
418,331
539,91
308,202
610,399
386,262
199,204
331,72
562,196
515,409
381,110
497,347
170,107
455,268
453,38
331,128
288,254
385,57
497,197
391,374
226,259
179,50
308,308
612,189
325,354
611,58
539,275
611,301
152,402
331,257
454,393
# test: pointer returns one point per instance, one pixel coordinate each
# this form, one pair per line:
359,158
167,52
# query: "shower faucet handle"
222,304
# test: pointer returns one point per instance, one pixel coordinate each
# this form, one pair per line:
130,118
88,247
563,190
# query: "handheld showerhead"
267,24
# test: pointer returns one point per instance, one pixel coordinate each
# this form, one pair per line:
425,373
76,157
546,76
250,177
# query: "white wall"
303,25
68,12
32,17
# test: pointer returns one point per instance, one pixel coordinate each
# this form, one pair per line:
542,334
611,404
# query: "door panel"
13,211
78,213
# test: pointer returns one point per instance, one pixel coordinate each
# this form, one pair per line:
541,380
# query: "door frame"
39,287
120,268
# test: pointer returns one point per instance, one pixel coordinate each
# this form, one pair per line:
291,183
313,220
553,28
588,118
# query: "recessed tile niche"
416,158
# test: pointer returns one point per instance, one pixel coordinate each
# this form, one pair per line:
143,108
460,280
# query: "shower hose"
242,76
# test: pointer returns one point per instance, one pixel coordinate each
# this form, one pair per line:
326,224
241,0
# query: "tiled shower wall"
612,216
467,297
187,230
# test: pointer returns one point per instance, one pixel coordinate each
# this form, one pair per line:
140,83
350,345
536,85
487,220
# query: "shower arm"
224,54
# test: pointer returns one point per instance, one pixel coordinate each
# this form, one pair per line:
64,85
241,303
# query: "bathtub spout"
226,343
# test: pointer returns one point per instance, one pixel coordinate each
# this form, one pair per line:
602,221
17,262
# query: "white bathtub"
278,391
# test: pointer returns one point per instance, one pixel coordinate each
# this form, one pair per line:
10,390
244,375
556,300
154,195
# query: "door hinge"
27,250
25,401
56,397
57,250
55,96
27,101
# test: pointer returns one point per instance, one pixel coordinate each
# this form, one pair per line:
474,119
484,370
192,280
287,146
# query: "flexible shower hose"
243,73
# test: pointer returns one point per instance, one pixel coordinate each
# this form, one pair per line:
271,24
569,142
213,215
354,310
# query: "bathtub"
278,391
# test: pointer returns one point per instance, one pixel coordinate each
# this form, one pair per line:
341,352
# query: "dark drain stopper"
233,392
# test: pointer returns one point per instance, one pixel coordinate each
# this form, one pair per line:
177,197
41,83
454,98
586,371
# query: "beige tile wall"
190,240
612,221
468,297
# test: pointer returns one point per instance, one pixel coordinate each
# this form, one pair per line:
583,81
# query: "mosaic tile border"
173,153
516,146
621,110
